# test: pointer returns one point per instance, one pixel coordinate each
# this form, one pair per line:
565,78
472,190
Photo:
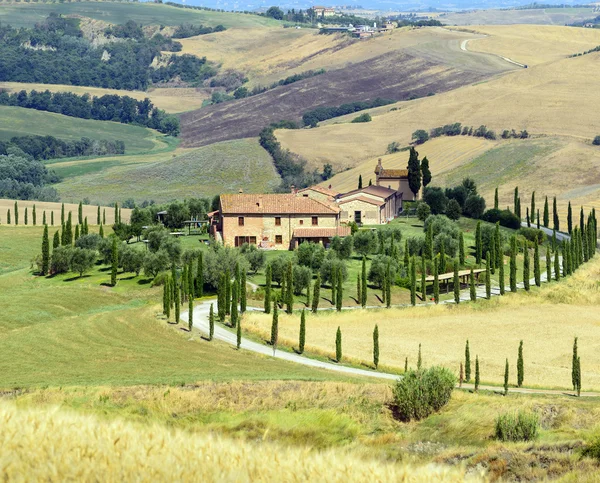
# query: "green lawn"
69,331
28,14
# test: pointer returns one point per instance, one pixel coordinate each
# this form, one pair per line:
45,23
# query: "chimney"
241,191
293,189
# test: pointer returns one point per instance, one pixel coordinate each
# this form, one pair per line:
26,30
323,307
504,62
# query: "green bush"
596,141
423,392
520,426
592,448
532,234
366,117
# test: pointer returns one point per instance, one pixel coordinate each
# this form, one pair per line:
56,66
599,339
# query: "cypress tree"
488,281
16,211
104,216
527,217
165,296
275,327
405,365
190,312
63,235
461,249
496,199
413,282
184,283
574,365
516,201
168,290
116,215
423,280
76,233
461,375
302,335
115,263
548,265
578,376
308,291
238,334
358,288
52,218
492,254
477,376
227,292
429,242
62,213
211,322
243,298
234,303
546,213
190,274
360,182
419,359
333,283
538,219
520,368
68,241
556,267
536,265
119,215
581,223
436,282
376,346
506,378
45,252
85,226
290,288
101,231
532,212
501,277
442,256
499,258
80,214
221,299
56,240
177,301
338,345
406,254
8,217
565,269
316,294
388,288
519,208
478,244
569,219
554,241
363,300
526,267
199,282
268,275
98,216
339,292
472,290
556,219
34,216
414,172
456,283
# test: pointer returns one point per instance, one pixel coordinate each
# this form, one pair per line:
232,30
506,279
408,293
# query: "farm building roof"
322,232
391,173
379,191
320,189
274,204
371,201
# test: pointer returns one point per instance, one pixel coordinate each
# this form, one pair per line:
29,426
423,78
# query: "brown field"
429,61
171,100
546,320
89,211
543,16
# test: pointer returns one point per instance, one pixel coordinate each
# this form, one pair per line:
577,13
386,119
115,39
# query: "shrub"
82,260
415,245
90,241
61,259
596,141
532,234
506,218
436,199
522,426
366,117
423,392
365,242
442,224
393,147
474,206
310,255
302,278
592,449
255,257
331,264
423,211
342,246
420,136
453,210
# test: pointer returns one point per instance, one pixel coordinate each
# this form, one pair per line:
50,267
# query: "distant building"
323,11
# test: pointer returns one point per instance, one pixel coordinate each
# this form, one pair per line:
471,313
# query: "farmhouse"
373,205
323,11
275,221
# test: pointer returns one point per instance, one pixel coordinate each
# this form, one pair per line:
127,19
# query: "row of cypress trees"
81,219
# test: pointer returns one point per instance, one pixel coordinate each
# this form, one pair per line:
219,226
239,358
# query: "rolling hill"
542,16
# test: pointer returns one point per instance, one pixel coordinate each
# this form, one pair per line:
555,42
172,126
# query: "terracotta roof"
379,191
363,198
276,204
320,189
390,173
322,232
212,213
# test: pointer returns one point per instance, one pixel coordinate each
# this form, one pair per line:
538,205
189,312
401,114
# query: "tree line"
457,129
123,109
24,178
314,116
186,30
49,147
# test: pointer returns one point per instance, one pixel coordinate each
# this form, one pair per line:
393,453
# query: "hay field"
533,44
542,16
89,211
170,100
546,319
68,446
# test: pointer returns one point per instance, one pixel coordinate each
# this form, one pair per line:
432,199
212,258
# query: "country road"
463,47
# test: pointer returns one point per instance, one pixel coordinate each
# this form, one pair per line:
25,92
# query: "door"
357,217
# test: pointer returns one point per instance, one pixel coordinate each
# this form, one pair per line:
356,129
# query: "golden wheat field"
546,320
50,444
89,211
171,100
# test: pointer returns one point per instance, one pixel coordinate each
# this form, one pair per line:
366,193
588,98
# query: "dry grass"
171,100
546,320
50,444
89,211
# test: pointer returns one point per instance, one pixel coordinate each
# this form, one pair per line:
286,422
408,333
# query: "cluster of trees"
123,109
55,52
453,202
309,16
24,178
242,92
48,147
457,129
311,118
290,166
184,31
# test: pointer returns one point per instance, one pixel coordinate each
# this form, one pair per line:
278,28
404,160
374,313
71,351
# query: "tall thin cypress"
243,297
436,282
275,326
338,345
80,214
339,293
477,375
555,214
116,215
574,365
456,283
333,283
34,216
104,216
569,219
115,262
8,217
358,288
98,216
268,281
302,334
478,244
199,282
532,211
45,252
536,265
221,302
527,217
581,222
429,242
501,277
419,359
488,280
546,213
556,267
548,265
461,249
578,377
234,303
423,280
168,292
496,198
62,213
52,218
211,322
526,267
177,301
363,300
516,201
413,281
16,211
499,255
227,292
190,312
289,296
538,219
506,378
520,366
165,296
388,288
56,240
472,290
316,294
376,346
238,334
44,219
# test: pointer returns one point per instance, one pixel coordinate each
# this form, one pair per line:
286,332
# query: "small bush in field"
520,426
423,392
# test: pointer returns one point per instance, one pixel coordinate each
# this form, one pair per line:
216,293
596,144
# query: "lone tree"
506,378
555,212
376,346
414,172
211,322
268,282
520,368
425,172
360,183
115,262
516,207
16,211
467,362
546,213
338,345
574,365
496,198
275,327
45,252
316,294
477,376
302,335
238,334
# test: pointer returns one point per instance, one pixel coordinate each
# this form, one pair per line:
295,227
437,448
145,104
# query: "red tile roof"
322,232
362,198
320,189
274,204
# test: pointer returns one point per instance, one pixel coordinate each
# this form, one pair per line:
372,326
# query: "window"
306,196
240,221
278,239
278,221
302,222
315,220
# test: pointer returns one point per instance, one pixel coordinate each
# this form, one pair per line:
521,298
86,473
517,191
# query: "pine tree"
243,298
275,326
56,240
526,267
546,213
190,312
316,294
45,252
419,359
34,216
115,263
338,345
238,334
211,322
363,286
496,199
98,216
339,293
376,346
456,283
477,376
532,212
461,249
16,211
467,361
472,290
413,282
436,282
488,281
556,219
62,213
574,365
290,288
556,267
478,244
80,214
52,218
520,368
423,280
302,335
516,201
569,219
234,303
360,184
536,265
506,378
